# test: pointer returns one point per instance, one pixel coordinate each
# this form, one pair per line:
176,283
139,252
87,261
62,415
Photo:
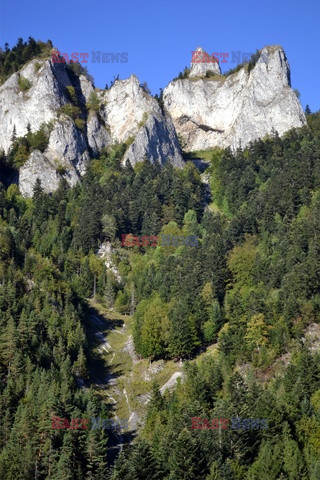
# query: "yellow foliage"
257,331
242,260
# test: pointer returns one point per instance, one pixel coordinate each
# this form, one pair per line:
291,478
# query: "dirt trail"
122,378
109,382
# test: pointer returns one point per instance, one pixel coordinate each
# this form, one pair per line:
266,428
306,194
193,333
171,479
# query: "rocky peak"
132,114
53,94
206,111
20,109
202,63
233,110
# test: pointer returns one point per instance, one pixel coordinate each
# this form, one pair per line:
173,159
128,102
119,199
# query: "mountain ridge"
199,112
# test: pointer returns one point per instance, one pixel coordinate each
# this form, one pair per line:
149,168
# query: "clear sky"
159,36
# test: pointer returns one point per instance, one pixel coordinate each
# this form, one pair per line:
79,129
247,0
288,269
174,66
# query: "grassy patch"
144,120
61,169
37,66
24,83
202,154
80,123
72,94
134,376
215,77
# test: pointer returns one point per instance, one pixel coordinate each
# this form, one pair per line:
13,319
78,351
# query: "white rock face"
67,146
234,110
126,111
39,104
36,105
201,63
86,87
98,136
105,253
156,140
43,166
207,112
130,112
37,166
124,106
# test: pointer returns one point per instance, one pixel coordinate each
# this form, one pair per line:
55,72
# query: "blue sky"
159,36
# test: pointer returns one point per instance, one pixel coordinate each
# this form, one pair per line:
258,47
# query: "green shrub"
184,74
210,73
144,120
20,156
76,69
72,94
70,110
313,120
11,60
60,169
80,123
24,83
129,141
296,91
122,302
37,66
253,60
38,140
233,70
93,102
23,146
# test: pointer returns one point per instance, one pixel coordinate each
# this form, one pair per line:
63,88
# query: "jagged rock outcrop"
131,113
234,110
68,146
156,140
50,169
206,111
126,114
98,136
67,149
36,105
202,63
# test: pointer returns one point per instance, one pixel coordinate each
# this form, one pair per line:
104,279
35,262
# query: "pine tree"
182,337
268,464
143,462
186,461
293,463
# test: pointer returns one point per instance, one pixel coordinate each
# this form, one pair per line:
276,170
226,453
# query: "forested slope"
251,286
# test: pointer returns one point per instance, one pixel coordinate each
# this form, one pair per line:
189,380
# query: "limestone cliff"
207,109
202,63
125,113
131,113
231,111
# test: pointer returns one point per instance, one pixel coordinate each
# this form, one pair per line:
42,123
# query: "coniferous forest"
249,291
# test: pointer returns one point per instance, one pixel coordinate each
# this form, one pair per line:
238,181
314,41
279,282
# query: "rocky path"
108,382
123,379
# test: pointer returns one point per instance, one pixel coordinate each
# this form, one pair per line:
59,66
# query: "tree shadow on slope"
102,375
